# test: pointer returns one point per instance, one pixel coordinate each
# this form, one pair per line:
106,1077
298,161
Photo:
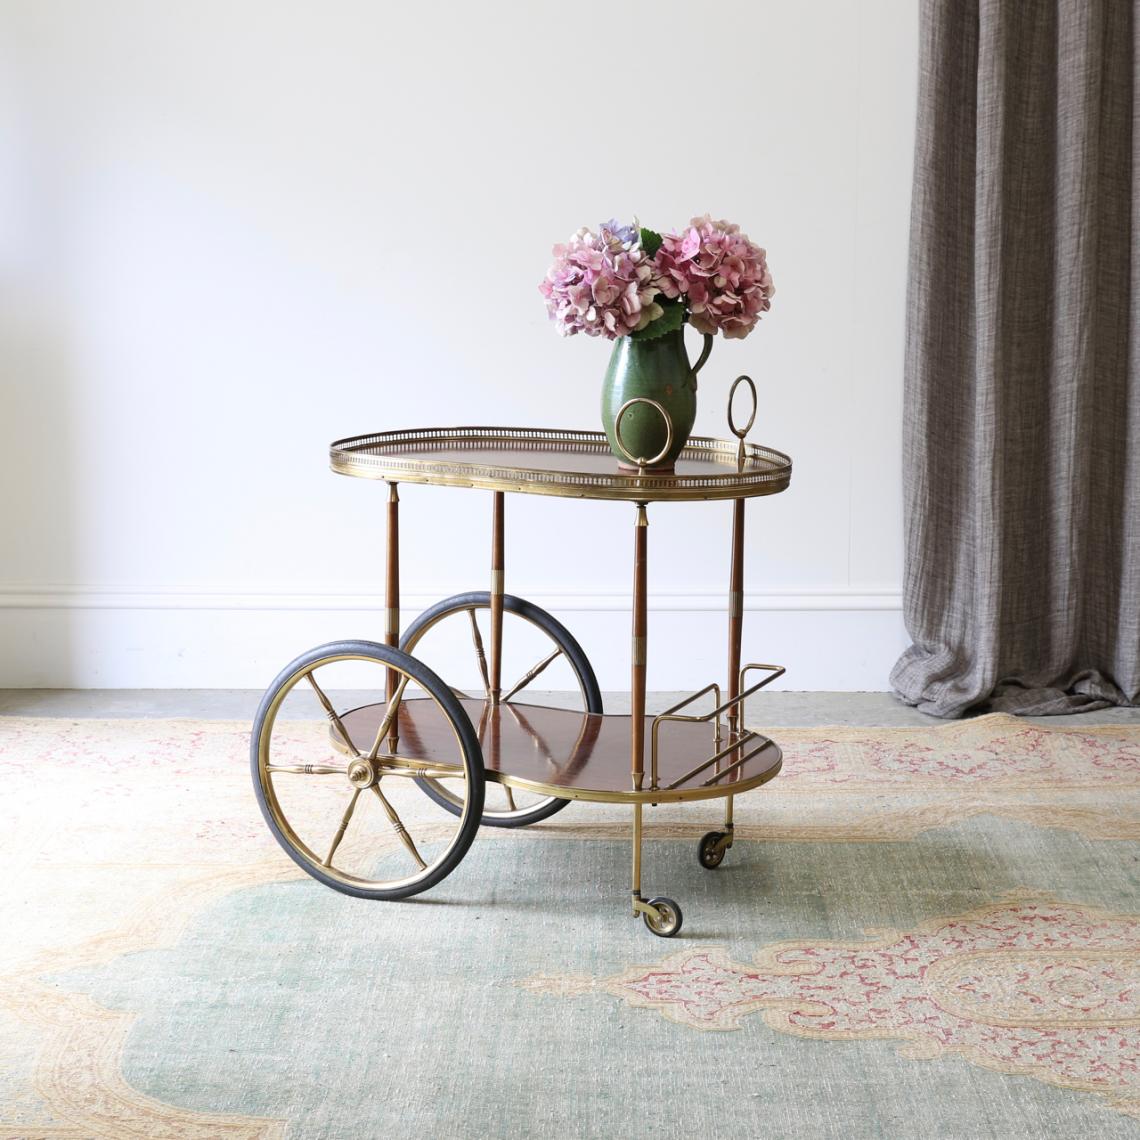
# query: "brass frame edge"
645,795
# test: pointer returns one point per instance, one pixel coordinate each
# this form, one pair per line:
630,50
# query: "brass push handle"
740,433
640,462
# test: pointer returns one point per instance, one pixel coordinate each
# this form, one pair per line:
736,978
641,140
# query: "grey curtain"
1022,382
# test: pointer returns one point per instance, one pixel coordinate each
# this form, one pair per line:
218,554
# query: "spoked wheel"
340,796
534,644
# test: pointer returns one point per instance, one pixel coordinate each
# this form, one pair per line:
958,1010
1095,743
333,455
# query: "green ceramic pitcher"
658,370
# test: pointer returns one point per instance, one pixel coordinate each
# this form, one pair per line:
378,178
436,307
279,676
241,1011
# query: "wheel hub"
361,773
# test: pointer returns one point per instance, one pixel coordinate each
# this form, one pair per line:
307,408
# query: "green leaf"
650,241
670,320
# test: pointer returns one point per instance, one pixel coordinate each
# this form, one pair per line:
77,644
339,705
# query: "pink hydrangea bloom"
722,276
602,284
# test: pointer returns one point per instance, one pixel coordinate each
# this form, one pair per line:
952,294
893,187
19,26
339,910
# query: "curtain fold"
1022,377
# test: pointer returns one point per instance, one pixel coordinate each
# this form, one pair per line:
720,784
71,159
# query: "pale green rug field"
923,933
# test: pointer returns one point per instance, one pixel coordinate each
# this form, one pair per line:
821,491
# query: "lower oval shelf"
569,754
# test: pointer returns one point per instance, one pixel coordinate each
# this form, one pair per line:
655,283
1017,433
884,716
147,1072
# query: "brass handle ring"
635,460
741,433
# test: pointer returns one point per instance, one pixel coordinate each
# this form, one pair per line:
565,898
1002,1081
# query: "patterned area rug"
923,933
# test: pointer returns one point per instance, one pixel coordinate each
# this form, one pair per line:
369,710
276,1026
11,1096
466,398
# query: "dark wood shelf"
570,754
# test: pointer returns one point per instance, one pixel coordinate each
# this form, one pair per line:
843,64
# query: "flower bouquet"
639,288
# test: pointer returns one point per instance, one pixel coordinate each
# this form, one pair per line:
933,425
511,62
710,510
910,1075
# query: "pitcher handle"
705,350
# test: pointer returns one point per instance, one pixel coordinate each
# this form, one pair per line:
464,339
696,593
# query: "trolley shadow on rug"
454,745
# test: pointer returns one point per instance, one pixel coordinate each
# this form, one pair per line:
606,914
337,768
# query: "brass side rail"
740,739
745,739
774,672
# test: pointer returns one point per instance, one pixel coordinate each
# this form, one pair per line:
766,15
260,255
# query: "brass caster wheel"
711,850
664,919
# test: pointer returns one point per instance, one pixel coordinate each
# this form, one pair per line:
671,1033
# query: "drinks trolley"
454,746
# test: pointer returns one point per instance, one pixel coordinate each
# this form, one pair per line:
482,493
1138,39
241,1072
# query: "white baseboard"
161,637
167,598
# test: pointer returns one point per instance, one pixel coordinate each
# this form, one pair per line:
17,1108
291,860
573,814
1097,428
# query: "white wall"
231,232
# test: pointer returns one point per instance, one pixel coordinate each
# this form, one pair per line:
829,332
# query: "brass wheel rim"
267,770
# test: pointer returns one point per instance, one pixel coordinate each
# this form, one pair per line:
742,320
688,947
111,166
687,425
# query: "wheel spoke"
476,637
389,716
528,677
305,769
510,798
391,764
332,714
419,773
343,827
399,827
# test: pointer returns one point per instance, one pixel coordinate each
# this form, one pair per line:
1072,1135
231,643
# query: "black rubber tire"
472,757
559,634
707,846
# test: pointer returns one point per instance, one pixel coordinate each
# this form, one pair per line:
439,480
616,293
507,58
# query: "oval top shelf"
555,461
